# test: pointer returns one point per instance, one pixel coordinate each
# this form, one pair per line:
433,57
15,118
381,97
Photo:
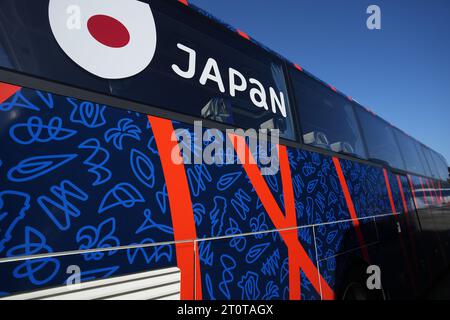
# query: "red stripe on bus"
402,242
243,34
298,67
185,2
351,208
180,208
402,194
425,201
7,90
411,185
298,257
436,198
388,187
430,191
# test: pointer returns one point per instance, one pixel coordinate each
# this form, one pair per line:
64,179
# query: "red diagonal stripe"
298,257
388,187
411,185
7,90
351,208
180,208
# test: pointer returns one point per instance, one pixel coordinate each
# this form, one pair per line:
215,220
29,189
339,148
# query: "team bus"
93,205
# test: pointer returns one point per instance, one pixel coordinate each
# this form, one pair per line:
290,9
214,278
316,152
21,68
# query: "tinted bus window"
327,119
380,139
410,151
442,165
434,172
198,68
426,166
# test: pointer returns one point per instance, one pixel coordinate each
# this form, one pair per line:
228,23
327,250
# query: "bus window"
327,118
428,171
4,57
434,172
380,139
198,68
201,71
410,152
442,165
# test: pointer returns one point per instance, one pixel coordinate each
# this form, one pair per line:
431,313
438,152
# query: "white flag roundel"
112,39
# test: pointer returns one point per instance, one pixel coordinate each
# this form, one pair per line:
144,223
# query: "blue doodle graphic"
240,203
206,253
87,113
161,199
150,224
125,129
13,206
46,98
151,145
271,264
100,237
239,242
209,287
35,167
96,161
39,271
34,130
255,252
124,195
228,264
250,286
258,224
272,291
199,212
272,182
60,209
198,177
151,253
18,100
143,168
227,180
217,216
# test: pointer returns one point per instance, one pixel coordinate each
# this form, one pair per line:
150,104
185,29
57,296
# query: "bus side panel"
42,273
253,267
421,256
433,232
372,190
78,176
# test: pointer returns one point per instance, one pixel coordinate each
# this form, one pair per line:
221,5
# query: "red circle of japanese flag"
112,39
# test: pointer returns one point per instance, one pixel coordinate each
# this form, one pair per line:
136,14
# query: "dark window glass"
426,166
441,164
327,118
410,151
434,171
4,57
35,51
380,139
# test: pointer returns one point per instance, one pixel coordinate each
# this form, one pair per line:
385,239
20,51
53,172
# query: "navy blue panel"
80,173
338,238
367,188
318,194
252,267
41,273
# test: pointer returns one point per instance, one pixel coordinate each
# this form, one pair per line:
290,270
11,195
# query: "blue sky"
402,72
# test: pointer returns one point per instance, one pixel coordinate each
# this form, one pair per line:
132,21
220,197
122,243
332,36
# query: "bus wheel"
356,291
